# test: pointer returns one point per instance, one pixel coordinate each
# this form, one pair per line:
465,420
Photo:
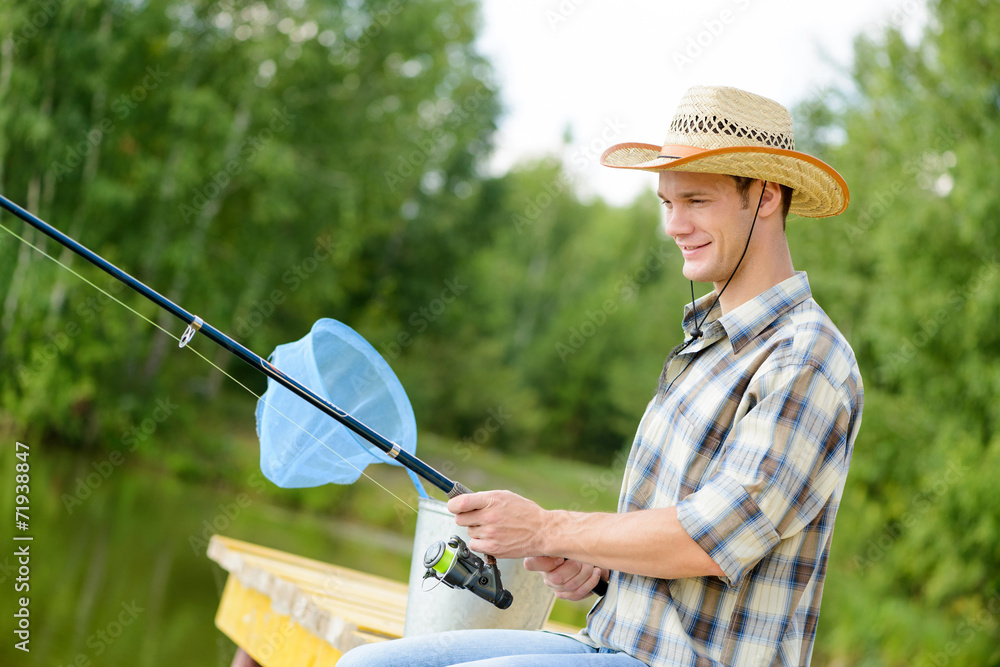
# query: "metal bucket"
443,608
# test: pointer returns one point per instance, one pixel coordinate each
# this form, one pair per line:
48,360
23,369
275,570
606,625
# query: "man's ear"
771,200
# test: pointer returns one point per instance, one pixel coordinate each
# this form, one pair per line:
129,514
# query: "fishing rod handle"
458,489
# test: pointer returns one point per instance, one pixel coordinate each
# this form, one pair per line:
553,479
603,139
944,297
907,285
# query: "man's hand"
651,543
570,579
501,523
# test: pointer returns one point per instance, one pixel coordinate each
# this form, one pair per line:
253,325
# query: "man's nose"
675,222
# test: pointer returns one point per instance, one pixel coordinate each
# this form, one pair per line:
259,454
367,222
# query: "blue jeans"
485,648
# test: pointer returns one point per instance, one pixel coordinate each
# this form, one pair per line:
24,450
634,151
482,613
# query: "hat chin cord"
697,333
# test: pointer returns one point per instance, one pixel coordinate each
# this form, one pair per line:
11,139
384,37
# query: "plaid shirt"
750,435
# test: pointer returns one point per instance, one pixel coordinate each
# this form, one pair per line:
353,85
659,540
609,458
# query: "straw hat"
720,130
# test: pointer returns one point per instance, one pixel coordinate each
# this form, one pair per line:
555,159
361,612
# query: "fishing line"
483,578
207,360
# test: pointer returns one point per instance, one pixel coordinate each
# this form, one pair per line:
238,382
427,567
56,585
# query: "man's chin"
702,274
694,275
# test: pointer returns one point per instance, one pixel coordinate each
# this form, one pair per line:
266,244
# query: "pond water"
118,571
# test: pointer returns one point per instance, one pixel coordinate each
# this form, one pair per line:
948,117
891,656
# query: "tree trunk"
6,68
208,213
98,106
24,258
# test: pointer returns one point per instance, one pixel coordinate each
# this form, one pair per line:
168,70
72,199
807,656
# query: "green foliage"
262,165
553,288
267,164
915,577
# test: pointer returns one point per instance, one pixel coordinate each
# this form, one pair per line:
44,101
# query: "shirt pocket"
673,458
697,452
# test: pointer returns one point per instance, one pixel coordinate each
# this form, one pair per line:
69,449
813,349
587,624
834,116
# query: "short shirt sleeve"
781,463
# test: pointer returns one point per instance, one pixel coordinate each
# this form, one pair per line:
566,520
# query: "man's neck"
755,276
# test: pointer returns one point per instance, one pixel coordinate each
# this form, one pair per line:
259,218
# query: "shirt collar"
746,322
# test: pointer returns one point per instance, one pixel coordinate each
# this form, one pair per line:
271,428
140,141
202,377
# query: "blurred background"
265,164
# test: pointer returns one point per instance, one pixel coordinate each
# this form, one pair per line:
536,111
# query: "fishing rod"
450,562
486,583
197,325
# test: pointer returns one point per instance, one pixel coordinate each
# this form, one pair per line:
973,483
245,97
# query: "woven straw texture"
720,130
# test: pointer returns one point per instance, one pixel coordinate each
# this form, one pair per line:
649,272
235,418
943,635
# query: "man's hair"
743,184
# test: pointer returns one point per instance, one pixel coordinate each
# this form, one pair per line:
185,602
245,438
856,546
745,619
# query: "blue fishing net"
300,445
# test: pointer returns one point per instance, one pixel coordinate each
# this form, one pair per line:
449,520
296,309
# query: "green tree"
570,311
261,164
915,578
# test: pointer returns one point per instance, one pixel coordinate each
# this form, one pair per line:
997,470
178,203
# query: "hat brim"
818,190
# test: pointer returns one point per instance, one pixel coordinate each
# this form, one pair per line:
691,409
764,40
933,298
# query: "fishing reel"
454,564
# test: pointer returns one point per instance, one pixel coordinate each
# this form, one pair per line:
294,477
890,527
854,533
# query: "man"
718,552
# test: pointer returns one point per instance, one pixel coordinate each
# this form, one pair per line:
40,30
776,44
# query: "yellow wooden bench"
289,611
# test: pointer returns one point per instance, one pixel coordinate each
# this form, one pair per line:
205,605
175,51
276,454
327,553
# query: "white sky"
614,71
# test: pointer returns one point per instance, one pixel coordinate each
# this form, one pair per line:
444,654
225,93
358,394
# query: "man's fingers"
542,563
468,502
588,585
572,575
563,574
570,579
500,523
581,586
